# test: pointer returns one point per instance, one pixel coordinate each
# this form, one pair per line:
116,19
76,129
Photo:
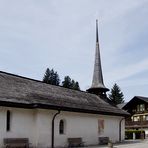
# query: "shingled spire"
97,83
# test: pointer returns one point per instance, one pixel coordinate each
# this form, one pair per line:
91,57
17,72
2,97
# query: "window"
142,107
146,117
100,126
136,118
132,118
143,118
8,116
134,110
61,127
138,108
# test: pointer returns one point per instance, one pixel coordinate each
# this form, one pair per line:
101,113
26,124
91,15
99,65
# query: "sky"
60,34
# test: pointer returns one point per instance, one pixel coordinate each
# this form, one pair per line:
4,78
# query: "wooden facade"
138,108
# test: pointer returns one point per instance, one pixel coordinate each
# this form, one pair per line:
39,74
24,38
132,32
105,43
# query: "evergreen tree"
68,83
76,86
72,84
51,77
56,79
116,95
46,76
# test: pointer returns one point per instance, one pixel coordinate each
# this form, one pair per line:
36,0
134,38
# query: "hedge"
139,134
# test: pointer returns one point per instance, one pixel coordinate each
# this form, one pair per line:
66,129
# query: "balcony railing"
134,124
140,112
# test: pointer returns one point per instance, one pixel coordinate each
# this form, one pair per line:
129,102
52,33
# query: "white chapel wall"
86,126
21,124
43,127
37,124
112,127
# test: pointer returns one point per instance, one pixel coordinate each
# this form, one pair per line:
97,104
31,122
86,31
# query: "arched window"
61,127
8,116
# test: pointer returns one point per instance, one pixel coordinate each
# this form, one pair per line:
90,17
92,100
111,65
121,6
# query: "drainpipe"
120,129
52,134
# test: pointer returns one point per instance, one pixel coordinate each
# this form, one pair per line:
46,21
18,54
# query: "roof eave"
62,108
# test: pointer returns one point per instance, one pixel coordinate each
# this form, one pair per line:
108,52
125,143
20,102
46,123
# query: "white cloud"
128,71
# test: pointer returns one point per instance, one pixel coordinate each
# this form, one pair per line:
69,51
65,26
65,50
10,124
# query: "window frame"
62,127
8,120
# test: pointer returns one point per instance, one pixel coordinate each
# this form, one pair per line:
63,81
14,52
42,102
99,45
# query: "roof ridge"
16,75
23,77
141,97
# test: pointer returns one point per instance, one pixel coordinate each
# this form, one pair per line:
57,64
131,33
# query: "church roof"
121,105
17,91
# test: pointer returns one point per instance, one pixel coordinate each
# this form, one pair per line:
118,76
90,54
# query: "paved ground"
127,144
133,144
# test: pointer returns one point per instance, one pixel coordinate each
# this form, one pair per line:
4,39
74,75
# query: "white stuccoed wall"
22,124
86,126
36,125
44,127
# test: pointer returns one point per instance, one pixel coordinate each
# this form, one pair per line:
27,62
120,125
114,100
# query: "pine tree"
56,79
70,83
76,86
46,76
116,95
67,82
51,77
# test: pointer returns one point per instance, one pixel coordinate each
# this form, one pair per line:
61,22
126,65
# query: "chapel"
49,116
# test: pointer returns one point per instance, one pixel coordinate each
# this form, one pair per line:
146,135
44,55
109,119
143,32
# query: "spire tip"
97,30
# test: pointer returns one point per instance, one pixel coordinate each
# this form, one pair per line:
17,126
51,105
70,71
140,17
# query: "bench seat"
103,140
16,143
75,142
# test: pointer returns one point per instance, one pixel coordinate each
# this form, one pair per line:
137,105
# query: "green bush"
138,134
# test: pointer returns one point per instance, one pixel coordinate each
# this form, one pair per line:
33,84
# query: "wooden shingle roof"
17,91
145,99
134,102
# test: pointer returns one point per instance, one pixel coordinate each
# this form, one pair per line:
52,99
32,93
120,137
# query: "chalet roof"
17,91
145,99
134,101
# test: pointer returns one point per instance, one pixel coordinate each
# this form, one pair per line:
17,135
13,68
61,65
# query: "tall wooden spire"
97,86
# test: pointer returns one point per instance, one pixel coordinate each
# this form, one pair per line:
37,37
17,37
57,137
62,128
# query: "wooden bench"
103,140
16,142
75,142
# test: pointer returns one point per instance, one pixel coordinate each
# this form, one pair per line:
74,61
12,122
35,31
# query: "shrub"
138,134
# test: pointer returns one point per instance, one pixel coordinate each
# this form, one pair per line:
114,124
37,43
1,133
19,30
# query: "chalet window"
134,110
132,118
146,107
146,117
136,118
61,127
143,118
142,107
138,107
8,118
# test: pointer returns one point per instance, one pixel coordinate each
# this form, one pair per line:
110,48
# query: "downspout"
120,129
52,134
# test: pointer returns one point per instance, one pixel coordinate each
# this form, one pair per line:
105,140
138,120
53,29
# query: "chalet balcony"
136,124
140,112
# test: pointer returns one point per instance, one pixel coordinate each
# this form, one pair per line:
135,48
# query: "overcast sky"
60,34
